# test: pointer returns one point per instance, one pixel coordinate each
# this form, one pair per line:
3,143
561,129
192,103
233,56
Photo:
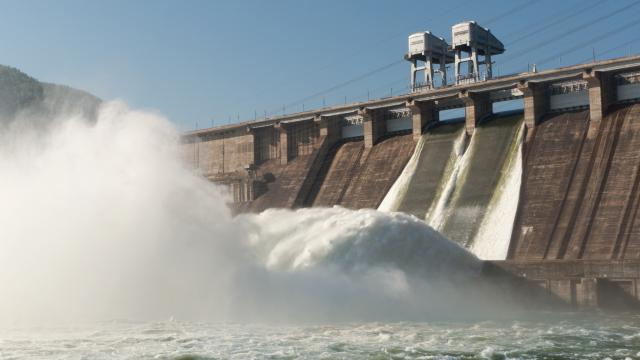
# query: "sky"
204,63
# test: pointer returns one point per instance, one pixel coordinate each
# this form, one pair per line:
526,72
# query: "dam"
549,193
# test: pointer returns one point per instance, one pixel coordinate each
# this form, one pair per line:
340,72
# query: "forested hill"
20,94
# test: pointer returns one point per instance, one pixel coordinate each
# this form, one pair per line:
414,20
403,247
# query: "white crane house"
473,40
431,50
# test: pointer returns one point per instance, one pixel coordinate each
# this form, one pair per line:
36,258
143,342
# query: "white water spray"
102,220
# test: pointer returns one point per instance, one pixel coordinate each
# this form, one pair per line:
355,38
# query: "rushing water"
551,336
483,198
101,220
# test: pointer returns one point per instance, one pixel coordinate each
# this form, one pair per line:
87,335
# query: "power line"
526,27
617,47
386,39
569,32
584,44
560,18
504,14
358,52
385,87
515,9
341,85
368,74
374,44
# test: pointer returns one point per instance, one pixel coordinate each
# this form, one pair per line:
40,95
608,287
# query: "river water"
550,336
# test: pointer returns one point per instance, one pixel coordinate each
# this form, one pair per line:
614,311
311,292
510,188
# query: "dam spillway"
555,181
489,150
434,164
457,180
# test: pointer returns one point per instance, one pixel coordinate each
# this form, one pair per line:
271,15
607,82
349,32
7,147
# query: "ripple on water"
599,338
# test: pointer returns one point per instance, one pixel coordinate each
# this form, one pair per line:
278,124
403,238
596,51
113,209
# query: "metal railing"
568,87
628,78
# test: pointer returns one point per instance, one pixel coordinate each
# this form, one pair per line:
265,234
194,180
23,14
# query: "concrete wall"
266,144
220,153
580,192
579,283
302,138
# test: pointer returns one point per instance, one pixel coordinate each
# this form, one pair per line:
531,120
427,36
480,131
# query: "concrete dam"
549,193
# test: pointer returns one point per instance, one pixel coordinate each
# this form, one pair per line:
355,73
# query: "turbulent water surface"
566,336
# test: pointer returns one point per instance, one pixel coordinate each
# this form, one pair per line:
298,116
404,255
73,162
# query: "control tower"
474,40
431,50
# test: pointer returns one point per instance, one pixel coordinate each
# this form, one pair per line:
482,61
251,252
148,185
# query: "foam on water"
305,238
561,336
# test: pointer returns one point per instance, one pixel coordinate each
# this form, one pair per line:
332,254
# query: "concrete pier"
477,106
602,92
284,137
422,114
536,102
582,284
373,126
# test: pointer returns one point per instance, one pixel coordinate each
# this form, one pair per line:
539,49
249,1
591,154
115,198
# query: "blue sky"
195,61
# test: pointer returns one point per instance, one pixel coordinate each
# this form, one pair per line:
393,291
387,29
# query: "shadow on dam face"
580,195
336,172
355,177
551,157
617,295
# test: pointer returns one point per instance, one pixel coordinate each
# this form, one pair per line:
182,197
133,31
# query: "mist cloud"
102,220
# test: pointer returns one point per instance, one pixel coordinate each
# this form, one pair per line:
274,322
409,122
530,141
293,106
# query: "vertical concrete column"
601,93
247,182
476,107
247,189
372,126
323,124
563,289
422,113
588,293
251,156
328,128
536,102
284,138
